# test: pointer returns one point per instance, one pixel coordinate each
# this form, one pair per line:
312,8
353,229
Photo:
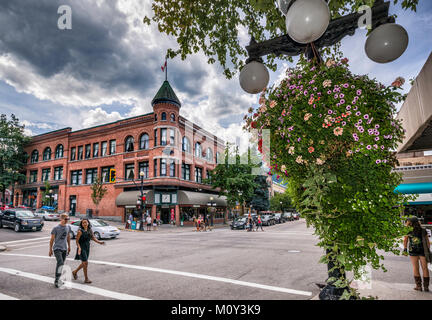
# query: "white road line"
42,245
6,297
27,240
25,244
89,289
185,274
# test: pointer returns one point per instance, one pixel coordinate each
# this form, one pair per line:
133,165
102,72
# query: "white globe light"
307,20
283,5
254,77
386,43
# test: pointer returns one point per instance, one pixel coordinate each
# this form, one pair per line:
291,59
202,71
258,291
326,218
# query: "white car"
47,215
101,229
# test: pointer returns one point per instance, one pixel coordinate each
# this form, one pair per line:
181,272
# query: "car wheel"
1,224
97,235
17,228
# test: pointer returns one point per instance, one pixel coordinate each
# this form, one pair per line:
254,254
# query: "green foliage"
260,199
12,156
214,26
47,197
233,177
275,201
332,138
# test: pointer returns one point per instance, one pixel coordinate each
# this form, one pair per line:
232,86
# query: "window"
58,173
105,173
185,171
172,168
163,141
144,167
155,117
163,167
217,157
198,150
95,150
112,146
130,171
47,154
73,153
186,145
209,155
172,117
209,176
129,144
76,177
87,151
198,175
104,149
80,153
34,156
91,176
33,176
155,137
172,137
59,151
163,116
144,141
155,168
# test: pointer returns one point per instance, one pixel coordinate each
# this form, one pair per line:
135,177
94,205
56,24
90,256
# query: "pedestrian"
417,245
84,235
249,221
154,224
129,222
60,245
259,223
206,222
149,223
199,223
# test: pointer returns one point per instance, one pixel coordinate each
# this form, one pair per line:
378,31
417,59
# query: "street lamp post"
281,206
51,195
309,28
142,200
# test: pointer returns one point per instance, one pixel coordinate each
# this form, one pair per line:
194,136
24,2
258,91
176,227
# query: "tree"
46,195
333,139
12,155
260,199
275,201
214,26
233,179
98,192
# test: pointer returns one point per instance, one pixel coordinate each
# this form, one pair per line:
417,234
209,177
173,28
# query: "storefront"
422,205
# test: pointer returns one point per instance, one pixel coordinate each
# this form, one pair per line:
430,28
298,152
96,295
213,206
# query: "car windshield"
240,219
277,215
24,214
98,223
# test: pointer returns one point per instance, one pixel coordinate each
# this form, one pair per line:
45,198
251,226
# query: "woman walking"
416,244
259,223
84,235
154,224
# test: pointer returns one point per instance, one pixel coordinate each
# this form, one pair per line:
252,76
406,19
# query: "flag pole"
166,69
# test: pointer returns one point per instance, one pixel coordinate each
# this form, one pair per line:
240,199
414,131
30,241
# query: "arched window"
59,151
144,141
129,144
198,150
163,116
186,145
172,117
209,155
34,156
47,154
155,116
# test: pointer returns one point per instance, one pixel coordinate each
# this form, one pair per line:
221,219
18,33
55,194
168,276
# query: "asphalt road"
280,263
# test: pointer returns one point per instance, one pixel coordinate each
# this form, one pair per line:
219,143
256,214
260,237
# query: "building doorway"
72,205
165,215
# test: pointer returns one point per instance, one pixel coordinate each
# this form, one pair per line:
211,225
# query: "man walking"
60,245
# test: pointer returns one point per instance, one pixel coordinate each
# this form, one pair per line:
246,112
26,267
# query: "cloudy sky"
108,66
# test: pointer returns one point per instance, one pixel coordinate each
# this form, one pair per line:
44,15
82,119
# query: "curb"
2,248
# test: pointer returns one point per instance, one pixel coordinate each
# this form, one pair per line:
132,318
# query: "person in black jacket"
416,244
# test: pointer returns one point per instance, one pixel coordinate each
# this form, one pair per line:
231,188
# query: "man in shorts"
60,245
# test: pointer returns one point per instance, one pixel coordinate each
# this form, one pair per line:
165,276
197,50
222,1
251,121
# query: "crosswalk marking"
86,288
26,240
182,273
6,297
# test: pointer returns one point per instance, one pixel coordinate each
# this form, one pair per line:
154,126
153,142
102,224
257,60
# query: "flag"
164,66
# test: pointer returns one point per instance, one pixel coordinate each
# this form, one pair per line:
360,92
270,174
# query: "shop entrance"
165,215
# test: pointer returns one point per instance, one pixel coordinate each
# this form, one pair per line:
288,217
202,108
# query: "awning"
422,199
414,188
129,198
199,198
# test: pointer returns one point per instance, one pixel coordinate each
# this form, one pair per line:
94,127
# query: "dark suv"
20,220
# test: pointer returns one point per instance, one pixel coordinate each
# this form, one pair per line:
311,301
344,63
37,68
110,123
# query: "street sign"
112,176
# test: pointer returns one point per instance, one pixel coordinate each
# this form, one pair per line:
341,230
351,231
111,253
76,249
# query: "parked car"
268,220
20,220
47,214
5,207
278,218
25,208
239,223
101,229
296,215
288,216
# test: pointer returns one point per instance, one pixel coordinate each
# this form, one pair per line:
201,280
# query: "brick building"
174,155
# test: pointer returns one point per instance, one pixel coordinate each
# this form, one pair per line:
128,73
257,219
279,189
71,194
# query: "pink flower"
311,149
273,104
307,116
338,131
398,82
319,161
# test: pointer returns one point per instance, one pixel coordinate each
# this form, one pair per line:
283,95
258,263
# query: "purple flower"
341,96
342,101
329,92
359,92
378,161
299,139
330,112
354,135
320,116
366,116
344,123
360,121
354,102
375,146
377,139
336,96
377,126
358,113
369,147
315,89
346,85
382,148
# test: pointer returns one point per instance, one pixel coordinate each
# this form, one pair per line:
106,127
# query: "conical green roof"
166,94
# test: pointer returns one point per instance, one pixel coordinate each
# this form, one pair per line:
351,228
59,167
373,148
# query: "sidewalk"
391,291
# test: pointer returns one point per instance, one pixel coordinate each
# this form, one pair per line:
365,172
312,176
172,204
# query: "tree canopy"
215,26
